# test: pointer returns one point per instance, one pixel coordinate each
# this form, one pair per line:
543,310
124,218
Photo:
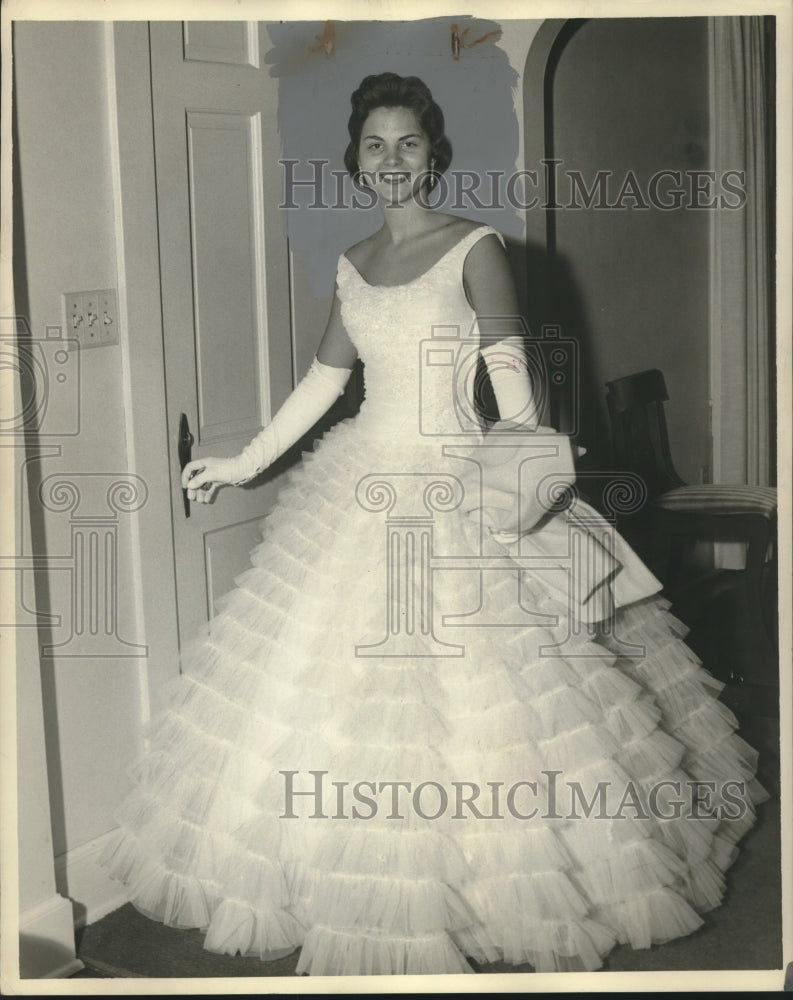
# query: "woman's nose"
393,157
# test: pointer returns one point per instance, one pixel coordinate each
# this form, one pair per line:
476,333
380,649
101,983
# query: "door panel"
225,282
226,551
227,274
232,42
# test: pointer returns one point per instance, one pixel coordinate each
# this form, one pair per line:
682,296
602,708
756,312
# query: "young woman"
421,730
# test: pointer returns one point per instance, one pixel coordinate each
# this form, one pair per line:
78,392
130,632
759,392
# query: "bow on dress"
520,487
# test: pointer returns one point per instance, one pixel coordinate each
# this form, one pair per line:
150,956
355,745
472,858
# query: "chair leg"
731,619
680,548
771,599
766,666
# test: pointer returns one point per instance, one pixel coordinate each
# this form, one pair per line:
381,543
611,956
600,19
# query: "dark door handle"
185,448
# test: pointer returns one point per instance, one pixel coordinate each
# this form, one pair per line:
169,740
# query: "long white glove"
311,398
511,470
508,371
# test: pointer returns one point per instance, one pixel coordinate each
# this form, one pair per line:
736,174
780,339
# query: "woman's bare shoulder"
460,229
457,226
447,230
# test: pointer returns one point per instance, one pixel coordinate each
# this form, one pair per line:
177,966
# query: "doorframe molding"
715,279
142,350
535,95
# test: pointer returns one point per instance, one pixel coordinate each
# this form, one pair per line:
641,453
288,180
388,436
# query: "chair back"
639,437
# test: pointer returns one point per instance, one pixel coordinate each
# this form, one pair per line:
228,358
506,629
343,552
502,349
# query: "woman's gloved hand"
511,480
202,477
520,465
311,398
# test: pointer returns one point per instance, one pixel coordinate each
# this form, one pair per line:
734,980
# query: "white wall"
91,703
46,927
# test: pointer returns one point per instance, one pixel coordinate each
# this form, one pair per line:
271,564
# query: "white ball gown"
396,750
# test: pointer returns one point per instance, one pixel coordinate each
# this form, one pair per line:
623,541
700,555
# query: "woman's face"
394,154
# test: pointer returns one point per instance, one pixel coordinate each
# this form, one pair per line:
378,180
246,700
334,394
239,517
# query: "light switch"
92,317
107,315
74,313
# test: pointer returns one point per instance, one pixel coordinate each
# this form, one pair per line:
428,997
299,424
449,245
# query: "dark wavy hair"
389,90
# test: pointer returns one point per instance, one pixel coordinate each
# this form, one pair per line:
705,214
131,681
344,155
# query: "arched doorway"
608,105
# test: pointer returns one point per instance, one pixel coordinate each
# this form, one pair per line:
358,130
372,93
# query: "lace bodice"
419,344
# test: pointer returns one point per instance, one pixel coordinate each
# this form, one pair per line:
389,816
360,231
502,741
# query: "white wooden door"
225,283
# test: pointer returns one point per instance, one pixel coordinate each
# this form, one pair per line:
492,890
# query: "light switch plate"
92,317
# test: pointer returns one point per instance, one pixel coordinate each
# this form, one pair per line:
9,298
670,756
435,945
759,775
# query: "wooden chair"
676,515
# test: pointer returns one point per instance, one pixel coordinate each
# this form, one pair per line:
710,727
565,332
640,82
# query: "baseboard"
79,877
46,941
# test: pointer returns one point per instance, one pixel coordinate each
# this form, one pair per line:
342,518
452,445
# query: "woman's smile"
394,178
394,151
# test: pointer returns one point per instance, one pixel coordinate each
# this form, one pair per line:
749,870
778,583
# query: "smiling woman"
398,148
397,141
313,106
388,154
473,636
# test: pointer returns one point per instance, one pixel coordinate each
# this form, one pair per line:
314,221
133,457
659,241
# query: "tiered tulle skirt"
532,793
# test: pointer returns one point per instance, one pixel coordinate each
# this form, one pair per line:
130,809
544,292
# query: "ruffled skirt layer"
397,752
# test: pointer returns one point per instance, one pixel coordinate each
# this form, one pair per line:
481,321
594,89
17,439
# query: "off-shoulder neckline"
480,230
